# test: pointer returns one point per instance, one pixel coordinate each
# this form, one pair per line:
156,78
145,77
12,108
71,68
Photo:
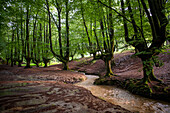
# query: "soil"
129,67
52,90
47,90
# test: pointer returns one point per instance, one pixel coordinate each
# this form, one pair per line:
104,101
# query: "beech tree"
63,57
65,28
157,19
158,22
103,39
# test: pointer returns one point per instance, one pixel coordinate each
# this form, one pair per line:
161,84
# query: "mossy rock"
107,81
102,81
136,88
99,81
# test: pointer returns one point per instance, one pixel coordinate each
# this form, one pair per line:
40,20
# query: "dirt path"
47,90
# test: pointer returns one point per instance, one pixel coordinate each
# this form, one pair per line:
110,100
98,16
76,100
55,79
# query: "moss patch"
135,86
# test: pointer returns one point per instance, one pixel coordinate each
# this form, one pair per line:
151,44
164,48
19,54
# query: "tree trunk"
103,34
84,22
148,71
59,32
47,42
65,66
108,58
7,61
113,62
45,62
67,33
34,50
94,55
12,60
22,40
111,29
37,64
108,67
97,40
28,59
40,40
15,50
19,46
8,55
82,55
19,63
28,63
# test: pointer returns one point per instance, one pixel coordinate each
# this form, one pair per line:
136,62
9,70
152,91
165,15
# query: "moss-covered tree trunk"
108,67
109,55
107,52
148,70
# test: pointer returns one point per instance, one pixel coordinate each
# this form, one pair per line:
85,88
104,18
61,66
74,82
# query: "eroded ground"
51,89
47,90
126,66
129,69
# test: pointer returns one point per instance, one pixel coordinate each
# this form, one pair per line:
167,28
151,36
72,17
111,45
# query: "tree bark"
148,71
108,67
34,57
67,38
45,62
84,22
59,32
109,55
22,40
65,66
19,47
158,24
98,45
12,62
28,59
8,54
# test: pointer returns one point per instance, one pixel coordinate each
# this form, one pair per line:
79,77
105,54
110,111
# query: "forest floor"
47,90
126,66
52,90
129,69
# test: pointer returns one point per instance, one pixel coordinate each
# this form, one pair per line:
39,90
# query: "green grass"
54,63
32,64
42,64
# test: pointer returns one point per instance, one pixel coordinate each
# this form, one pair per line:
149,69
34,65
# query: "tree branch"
119,14
51,46
52,17
115,11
